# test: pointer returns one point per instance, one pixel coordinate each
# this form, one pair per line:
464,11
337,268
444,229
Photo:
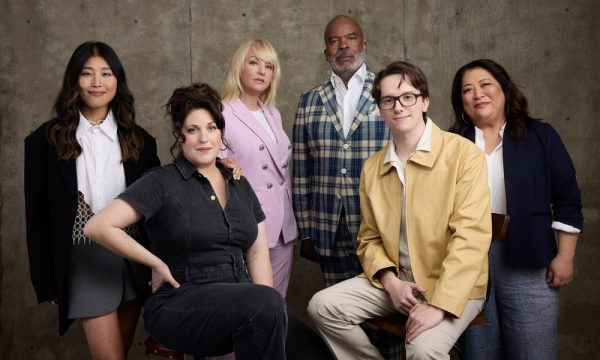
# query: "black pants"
216,318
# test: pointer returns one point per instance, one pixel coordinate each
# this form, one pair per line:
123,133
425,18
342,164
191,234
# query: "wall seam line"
190,39
404,30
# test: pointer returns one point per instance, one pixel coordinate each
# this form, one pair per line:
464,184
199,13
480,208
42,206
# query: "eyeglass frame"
397,98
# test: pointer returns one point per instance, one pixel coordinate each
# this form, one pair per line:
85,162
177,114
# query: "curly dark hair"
409,72
516,108
188,98
61,132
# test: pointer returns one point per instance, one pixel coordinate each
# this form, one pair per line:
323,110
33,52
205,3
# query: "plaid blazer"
327,164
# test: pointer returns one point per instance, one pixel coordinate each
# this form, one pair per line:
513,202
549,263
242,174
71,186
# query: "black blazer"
541,187
50,207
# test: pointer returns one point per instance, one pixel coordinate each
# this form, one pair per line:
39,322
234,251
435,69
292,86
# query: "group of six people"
396,211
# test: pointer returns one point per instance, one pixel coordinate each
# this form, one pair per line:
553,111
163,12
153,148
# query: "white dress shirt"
100,174
347,98
495,165
391,157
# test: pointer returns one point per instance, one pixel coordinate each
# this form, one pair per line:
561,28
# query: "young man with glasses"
424,235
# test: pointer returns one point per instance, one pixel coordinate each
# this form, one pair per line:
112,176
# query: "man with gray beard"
337,127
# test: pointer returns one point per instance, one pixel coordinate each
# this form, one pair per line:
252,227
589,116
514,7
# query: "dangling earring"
463,118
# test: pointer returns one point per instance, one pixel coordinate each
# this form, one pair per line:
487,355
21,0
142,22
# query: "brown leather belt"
499,226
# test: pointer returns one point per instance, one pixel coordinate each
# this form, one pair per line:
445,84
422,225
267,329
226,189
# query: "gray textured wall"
550,47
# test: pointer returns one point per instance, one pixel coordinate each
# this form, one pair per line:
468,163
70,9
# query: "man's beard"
346,72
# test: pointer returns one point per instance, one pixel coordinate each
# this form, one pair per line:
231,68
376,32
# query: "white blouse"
100,173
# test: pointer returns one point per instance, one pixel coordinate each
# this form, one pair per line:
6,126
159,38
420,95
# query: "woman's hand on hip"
160,275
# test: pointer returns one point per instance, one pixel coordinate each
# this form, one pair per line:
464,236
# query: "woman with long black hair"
74,165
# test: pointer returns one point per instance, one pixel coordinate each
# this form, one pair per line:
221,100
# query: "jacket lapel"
265,136
327,93
513,174
365,103
247,118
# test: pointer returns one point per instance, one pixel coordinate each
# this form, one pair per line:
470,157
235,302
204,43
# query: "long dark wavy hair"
61,132
188,98
516,108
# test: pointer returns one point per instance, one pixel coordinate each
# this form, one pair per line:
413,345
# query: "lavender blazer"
265,163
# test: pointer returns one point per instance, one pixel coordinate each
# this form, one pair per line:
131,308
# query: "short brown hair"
409,72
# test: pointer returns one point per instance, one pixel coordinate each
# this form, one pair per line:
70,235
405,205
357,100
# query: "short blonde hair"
265,52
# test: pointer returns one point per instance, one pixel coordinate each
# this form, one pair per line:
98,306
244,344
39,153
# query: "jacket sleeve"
565,196
302,171
37,215
371,251
470,228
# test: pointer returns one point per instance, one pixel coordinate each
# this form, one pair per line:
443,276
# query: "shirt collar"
480,142
424,144
108,126
187,169
360,75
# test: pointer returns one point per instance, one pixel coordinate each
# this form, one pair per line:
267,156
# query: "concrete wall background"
548,47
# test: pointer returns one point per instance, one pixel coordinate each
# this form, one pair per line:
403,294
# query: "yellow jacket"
447,217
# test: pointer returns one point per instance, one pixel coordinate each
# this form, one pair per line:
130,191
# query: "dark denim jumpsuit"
216,309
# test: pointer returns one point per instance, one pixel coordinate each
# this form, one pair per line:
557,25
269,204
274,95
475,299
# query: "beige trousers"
339,310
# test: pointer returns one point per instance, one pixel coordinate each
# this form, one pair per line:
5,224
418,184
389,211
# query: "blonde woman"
257,142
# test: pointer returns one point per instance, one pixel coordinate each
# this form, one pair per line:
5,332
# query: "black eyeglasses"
406,99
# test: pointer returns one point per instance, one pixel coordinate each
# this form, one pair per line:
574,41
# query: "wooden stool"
156,349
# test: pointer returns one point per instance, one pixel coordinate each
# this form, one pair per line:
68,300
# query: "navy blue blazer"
541,187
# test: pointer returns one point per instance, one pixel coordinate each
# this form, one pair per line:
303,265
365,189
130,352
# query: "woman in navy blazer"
257,142
532,180
96,101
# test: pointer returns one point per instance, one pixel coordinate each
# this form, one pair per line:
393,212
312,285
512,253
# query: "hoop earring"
462,115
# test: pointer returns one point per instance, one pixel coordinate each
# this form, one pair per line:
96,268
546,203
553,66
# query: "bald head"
339,20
